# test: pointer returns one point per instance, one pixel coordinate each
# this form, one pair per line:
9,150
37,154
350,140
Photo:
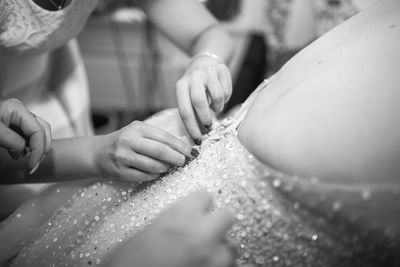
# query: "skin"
280,127
21,129
331,111
135,153
204,88
186,235
141,152
204,76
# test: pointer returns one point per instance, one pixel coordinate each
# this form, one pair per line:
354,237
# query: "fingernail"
208,126
34,169
194,153
197,141
27,150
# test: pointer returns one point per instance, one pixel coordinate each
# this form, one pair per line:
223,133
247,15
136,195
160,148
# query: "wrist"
98,154
204,59
209,55
74,158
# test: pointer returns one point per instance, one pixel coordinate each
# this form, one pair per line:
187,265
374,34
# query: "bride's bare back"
332,110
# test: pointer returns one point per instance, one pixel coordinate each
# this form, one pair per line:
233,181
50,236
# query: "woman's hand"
22,133
140,152
205,87
186,235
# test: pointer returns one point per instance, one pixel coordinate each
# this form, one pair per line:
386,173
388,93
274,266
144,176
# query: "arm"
206,85
189,25
68,80
138,152
67,159
22,134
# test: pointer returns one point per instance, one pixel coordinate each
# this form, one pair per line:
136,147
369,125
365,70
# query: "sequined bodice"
271,229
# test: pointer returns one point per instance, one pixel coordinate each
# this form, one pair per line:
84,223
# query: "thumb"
11,141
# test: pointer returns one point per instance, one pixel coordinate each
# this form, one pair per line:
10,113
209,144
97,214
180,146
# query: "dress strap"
239,116
229,125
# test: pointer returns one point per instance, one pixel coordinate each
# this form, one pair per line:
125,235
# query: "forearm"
215,40
189,25
68,159
75,158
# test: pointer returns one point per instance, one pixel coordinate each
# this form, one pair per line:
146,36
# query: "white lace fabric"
26,27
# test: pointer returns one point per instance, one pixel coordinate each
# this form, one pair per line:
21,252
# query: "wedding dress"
281,220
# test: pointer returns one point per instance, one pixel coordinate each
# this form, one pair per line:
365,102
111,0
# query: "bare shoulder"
331,111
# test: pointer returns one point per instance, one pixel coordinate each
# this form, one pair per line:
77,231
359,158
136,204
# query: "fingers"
218,223
188,214
48,137
216,91
201,232
35,132
36,135
11,141
204,87
134,175
186,110
161,136
134,160
198,95
225,78
161,146
222,257
198,202
142,149
160,151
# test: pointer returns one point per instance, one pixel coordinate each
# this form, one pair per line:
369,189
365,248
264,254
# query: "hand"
186,235
21,131
206,84
140,152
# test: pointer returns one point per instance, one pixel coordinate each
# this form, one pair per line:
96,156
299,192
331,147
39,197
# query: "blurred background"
132,69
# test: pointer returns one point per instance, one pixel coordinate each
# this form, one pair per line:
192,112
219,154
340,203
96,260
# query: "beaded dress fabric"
268,230
281,220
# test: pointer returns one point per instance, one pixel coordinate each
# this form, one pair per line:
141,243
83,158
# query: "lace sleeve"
24,26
